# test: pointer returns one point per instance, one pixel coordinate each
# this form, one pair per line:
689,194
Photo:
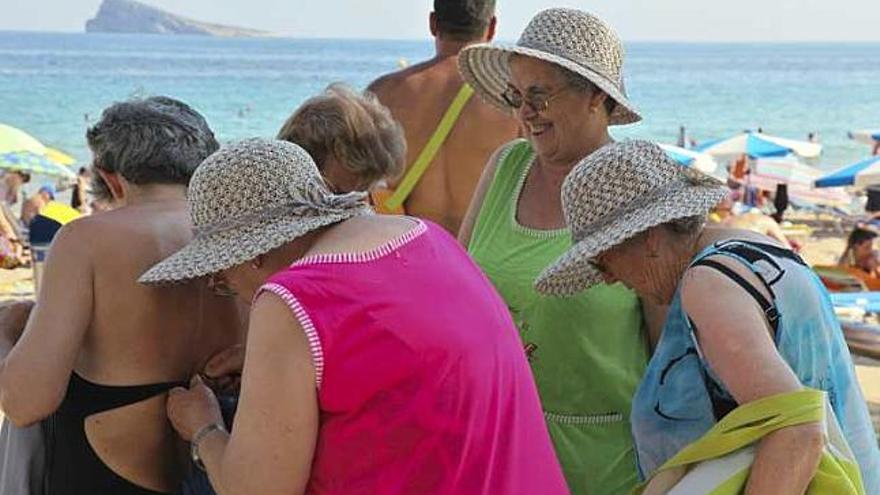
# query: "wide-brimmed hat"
575,40
248,199
617,192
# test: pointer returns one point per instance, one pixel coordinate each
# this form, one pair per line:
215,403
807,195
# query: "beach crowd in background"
452,282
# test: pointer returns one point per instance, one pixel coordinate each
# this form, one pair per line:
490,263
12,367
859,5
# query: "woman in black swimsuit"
100,351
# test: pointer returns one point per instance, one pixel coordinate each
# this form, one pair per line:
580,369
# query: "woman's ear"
597,100
114,183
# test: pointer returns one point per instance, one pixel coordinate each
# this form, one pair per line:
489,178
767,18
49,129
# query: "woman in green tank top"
587,352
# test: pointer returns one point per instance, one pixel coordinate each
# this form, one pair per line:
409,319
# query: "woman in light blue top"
748,319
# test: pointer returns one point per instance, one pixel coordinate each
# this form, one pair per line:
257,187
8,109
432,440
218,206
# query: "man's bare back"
418,97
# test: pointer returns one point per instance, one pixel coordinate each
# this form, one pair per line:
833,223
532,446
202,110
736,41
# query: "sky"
635,20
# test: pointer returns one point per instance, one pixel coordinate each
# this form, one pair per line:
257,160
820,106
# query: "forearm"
786,461
229,473
212,450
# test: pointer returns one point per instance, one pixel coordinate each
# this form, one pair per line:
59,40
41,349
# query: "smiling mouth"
538,129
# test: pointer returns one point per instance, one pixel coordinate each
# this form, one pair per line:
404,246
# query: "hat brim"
486,68
573,273
217,252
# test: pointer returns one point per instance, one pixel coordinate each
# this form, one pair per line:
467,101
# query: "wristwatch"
198,437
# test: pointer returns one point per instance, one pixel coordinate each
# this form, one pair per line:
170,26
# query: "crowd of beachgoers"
454,282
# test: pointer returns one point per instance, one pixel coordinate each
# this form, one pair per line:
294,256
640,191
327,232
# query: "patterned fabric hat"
248,199
617,192
575,40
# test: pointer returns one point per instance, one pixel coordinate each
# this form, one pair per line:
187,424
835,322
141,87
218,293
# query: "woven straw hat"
575,40
614,194
248,199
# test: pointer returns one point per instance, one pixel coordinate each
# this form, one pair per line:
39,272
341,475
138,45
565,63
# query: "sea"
54,85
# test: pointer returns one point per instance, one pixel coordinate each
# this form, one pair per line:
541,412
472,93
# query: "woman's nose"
525,112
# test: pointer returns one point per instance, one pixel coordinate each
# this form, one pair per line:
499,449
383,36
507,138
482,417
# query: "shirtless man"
420,95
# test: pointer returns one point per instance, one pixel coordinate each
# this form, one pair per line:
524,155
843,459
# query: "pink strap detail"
367,256
305,321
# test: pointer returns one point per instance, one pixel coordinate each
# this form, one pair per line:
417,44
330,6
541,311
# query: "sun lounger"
839,279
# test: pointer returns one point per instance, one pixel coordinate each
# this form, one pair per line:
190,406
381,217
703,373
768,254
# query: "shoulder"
388,83
511,155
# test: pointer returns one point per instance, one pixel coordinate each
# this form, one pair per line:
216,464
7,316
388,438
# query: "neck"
154,193
693,245
563,165
444,48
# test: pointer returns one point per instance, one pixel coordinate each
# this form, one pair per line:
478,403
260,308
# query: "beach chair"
839,279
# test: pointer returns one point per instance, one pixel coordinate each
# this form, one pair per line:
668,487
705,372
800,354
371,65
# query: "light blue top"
674,406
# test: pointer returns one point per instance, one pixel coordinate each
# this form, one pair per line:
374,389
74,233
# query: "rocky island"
129,16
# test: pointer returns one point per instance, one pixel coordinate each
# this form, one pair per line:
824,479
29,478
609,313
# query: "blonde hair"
352,127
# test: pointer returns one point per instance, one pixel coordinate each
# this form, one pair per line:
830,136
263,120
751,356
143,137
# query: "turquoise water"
52,85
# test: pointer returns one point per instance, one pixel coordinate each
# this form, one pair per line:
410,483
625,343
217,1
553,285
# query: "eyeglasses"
538,102
220,287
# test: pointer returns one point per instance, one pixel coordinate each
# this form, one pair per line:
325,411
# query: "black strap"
768,307
85,398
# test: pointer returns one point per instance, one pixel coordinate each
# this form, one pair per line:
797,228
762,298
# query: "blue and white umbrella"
863,173
27,161
690,158
869,137
759,145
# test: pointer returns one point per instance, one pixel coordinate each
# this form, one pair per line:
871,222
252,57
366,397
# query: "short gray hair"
686,226
353,127
582,84
157,140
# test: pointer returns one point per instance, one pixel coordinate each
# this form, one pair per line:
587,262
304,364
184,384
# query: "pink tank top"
423,385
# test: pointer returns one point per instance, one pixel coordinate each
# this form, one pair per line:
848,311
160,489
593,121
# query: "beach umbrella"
863,173
34,163
60,157
869,137
759,145
13,139
689,158
768,173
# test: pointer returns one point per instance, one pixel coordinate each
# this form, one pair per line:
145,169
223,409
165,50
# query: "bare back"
418,97
141,335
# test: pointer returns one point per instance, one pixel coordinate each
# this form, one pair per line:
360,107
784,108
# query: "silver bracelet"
198,437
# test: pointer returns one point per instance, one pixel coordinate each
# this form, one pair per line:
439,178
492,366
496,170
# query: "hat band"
609,219
315,203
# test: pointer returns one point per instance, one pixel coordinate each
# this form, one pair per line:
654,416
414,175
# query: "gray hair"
582,84
157,140
352,127
686,226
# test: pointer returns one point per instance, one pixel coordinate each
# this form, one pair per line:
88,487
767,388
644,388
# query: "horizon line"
291,36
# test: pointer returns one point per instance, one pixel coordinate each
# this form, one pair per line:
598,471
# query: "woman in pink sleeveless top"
379,359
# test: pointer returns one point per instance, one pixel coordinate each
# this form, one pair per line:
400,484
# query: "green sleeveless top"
587,352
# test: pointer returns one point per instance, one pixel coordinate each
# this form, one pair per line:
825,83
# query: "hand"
223,369
14,317
190,410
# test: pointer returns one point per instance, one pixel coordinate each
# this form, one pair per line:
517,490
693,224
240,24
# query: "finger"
196,381
175,391
226,361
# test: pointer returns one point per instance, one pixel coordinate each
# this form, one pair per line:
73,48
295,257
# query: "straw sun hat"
617,192
248,199
569,38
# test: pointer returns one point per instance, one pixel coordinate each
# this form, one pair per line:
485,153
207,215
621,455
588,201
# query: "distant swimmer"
450,136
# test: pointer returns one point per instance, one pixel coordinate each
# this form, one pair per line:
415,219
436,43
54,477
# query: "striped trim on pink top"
367,256
306,322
